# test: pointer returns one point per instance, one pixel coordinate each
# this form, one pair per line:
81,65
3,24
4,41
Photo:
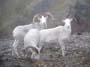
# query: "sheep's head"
67,25
67,20
43,19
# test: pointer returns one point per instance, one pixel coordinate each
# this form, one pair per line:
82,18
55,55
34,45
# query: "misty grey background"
20,12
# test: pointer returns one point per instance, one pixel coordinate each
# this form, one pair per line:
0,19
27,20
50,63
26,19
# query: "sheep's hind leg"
14,48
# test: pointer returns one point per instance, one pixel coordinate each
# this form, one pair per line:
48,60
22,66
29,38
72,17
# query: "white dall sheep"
53,35
20,31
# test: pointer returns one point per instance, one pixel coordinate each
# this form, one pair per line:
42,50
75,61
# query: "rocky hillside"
20,12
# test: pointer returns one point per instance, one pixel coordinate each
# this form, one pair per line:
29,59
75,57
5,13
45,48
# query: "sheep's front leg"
62,48
15,51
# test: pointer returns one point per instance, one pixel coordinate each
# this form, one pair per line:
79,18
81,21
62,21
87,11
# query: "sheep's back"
50,35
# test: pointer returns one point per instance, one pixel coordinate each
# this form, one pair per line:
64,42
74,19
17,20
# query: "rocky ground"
77,54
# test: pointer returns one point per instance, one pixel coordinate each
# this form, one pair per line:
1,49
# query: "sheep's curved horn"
35,16
50,14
